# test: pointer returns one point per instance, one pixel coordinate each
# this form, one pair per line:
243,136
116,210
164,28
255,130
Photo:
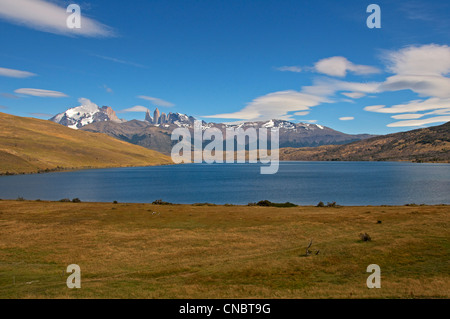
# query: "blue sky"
233,60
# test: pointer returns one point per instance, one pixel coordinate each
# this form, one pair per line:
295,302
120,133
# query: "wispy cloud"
274,105
44,115
339,66
107,89
107,58
137,108
346,118
423,70
40,92
437,119
12,73
156,101
354,95
49,17
2,107
296,69
9,96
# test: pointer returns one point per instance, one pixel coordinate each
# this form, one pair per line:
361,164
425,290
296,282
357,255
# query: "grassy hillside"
187,251
430,144
29,145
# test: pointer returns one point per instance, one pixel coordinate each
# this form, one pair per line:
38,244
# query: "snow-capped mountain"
85,114
165,120
154,131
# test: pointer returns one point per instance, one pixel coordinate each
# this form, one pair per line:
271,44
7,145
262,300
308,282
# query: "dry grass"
184,251
29,145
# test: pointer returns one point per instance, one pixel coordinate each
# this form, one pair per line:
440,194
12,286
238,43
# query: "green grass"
186,251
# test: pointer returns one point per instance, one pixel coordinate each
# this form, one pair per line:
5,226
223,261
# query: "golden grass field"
189,251
29,145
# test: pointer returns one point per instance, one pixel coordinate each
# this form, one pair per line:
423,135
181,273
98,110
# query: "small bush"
365,237
65,200
20,198
203,204
161,202
76,200
333,204
266,203
320,204
115,202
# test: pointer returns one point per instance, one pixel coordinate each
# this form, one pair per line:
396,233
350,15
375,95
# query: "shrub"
333,204
320,204
161,202
20,198
115,202
65,200
365,237
76,200
266,203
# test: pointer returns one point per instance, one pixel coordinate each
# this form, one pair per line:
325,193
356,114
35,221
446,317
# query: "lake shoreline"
166,204
63,170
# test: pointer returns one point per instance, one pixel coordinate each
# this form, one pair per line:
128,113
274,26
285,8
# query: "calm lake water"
305,183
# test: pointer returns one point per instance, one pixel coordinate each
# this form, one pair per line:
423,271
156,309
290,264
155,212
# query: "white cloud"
49,17
354,95
40,92
429,59
137,108
422,70
275,105
156,101
407,116
437,119
301,113
412,106
339,66
411,72
2,107
424,85
296,69
15,73
346,118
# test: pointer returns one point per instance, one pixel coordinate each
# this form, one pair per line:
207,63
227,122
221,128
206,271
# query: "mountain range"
154,131
298,141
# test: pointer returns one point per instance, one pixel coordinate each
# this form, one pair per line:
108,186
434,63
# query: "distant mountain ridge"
154,132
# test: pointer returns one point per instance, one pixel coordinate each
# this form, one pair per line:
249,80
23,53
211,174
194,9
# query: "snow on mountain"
87,113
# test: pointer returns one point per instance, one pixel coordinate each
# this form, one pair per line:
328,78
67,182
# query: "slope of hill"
430,144
29,145
136,132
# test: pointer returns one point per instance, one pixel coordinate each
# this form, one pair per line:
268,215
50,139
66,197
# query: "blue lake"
304,183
